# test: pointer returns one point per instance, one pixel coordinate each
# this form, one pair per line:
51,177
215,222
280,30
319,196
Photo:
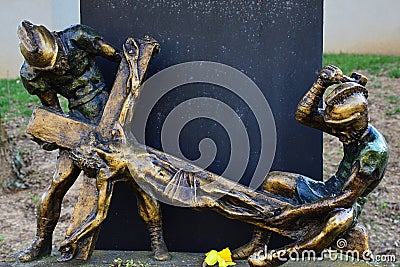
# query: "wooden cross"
53,127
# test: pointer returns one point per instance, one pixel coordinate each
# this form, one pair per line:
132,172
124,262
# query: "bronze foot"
40,247
67,253
259,239
161,253
158,245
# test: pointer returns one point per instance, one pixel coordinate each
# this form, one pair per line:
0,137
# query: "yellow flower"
223,257
226,254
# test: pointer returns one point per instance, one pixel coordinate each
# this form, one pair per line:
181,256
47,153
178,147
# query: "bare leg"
105,186
279,183
50,207
150,212
83,210
339,221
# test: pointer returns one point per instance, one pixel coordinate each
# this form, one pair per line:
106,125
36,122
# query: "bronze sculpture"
64,63
365,153
289,204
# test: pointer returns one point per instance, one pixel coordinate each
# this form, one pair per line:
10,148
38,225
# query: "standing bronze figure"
64,63
313,214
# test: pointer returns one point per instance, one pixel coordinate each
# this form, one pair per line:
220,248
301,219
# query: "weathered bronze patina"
64,63
365,156
313,214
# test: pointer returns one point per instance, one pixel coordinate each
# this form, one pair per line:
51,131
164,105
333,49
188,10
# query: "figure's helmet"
37,44
346,104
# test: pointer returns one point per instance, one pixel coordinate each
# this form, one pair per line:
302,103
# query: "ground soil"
381,214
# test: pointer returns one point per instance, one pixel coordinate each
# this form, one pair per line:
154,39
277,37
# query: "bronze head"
346,111
37,44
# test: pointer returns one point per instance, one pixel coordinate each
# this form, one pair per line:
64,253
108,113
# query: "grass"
393,101
15,101
35,199
393,111
376,64
118,262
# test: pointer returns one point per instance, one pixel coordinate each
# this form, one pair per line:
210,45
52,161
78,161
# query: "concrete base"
103,258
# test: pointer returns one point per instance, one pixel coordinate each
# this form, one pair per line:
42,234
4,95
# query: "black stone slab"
278,44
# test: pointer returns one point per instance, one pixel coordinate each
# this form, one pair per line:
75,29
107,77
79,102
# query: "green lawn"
15,101
376,64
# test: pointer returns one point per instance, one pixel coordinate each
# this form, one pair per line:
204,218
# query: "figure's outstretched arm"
89,40
107,50
308,111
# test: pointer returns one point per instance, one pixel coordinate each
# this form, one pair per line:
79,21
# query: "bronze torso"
370,152
75,75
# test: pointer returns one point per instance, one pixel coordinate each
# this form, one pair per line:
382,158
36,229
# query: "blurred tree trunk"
6,166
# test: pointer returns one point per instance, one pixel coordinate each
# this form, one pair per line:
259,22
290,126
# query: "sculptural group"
91,139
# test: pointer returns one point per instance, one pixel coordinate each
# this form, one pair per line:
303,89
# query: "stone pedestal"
104,258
